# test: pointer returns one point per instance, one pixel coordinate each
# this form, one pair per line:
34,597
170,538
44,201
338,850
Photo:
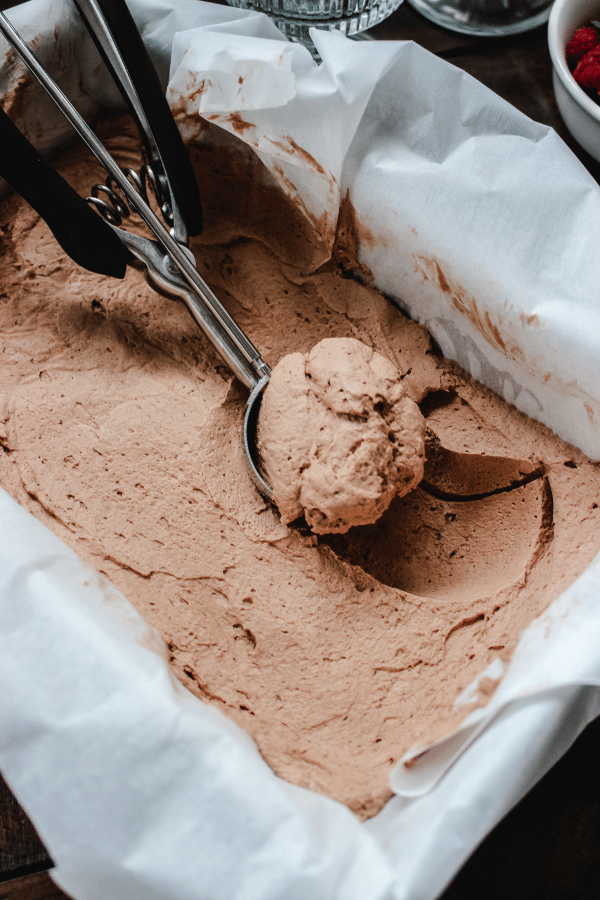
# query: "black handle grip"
82,234
176,161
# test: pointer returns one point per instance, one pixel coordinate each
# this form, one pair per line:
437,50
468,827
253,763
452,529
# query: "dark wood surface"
549,845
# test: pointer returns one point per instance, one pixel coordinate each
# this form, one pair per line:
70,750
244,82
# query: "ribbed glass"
295,17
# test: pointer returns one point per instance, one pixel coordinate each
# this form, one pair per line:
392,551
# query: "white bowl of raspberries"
574,42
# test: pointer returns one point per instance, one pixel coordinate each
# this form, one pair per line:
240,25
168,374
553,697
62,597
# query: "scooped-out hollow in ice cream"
338,435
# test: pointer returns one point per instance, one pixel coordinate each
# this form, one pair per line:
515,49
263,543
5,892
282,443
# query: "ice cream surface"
338,436
120,430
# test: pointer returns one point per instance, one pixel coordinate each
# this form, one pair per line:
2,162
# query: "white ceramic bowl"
580,113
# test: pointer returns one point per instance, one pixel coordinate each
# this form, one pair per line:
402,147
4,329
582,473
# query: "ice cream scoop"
168,262
353,439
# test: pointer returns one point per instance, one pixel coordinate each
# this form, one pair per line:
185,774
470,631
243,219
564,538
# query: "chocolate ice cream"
120,430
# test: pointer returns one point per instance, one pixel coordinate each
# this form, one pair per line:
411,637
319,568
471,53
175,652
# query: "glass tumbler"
489,18
295,17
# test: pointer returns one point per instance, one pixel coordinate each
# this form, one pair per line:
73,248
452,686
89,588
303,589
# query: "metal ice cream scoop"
102,246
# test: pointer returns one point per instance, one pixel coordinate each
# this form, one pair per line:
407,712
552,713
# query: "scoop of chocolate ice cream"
338,436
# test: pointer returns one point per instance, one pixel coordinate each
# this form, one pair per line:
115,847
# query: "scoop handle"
119,42
82,234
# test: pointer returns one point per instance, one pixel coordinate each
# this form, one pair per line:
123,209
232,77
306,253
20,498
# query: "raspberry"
584,40
587,72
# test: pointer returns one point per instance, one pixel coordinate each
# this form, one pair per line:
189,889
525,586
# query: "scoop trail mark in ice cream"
120,430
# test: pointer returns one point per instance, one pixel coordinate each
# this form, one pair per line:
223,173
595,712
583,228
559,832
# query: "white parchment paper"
479,223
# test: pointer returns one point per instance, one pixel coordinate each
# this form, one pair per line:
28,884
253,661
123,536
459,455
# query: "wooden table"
549,845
